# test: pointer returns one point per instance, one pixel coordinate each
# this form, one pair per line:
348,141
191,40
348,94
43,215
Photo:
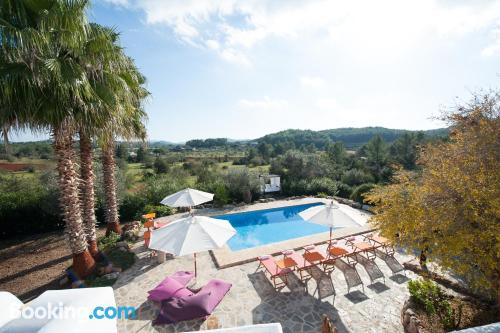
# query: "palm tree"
47,88
128,123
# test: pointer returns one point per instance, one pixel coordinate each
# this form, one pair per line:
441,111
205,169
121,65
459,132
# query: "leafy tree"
452,209
405,150
265,150
377,157
336,152
121,151
141,154
160,166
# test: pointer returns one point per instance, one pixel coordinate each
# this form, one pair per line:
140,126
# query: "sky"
245,68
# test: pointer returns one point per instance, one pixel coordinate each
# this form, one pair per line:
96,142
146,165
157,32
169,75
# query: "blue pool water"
267,226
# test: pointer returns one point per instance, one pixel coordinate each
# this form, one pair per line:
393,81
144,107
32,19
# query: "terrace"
368,306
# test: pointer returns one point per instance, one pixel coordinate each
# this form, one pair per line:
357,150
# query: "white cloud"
326,104
263,104
381,27
312,82
493,47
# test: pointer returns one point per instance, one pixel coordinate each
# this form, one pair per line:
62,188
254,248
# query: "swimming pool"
267,226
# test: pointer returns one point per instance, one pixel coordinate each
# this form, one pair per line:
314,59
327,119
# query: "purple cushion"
183,277
199,305
168,288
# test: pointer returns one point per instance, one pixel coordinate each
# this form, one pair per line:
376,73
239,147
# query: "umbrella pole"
330,236
195,272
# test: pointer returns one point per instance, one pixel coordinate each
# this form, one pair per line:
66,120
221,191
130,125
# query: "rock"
366,207
111,276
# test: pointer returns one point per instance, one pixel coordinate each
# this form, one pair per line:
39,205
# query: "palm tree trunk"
5,134
83,263
87,192
108,169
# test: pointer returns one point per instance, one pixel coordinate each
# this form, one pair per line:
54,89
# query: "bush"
131,207
221,194
160,166
28,203
107,242
354,177
322,185
242,185
160,210
344,190
357,193
433,300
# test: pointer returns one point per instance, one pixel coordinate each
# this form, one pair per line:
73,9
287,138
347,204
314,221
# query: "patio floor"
368,307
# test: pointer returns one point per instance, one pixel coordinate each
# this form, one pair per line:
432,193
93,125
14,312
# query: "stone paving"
371,307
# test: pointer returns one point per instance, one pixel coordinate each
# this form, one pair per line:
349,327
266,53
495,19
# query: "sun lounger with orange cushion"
337,251
313,254
275,272
303,266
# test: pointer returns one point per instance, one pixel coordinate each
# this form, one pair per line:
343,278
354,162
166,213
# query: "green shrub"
131,207
160,210
357,193
344,190
107,242
354,177
322,185
221,194
160,166
28,205
430,297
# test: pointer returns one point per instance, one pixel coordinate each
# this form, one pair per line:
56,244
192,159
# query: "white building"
270,183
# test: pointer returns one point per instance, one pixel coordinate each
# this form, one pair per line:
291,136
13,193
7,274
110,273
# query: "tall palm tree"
128,123
44,83
100,49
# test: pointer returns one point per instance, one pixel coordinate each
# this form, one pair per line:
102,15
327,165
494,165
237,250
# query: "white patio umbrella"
190,235
187,198
329,215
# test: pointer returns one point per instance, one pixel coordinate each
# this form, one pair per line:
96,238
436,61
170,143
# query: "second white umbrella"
328,215
191,235
187,198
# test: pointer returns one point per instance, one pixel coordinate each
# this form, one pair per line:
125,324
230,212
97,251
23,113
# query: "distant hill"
351,137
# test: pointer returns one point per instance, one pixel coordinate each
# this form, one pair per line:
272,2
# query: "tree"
452,208
377,157
127,122
336,152
404,150
101,48
160,166
44,85
141,154
121,151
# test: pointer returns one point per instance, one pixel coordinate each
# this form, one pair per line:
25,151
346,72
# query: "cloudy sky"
242,69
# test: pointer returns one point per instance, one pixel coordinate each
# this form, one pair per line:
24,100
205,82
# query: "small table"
286,262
